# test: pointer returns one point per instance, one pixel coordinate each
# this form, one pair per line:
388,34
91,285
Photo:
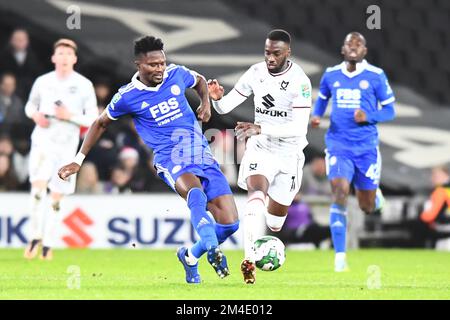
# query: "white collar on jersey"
140,86
282,72
360,67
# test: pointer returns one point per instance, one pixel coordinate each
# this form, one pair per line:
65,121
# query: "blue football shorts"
362,169
213,181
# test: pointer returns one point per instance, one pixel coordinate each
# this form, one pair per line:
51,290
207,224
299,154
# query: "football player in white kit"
60,102
273,160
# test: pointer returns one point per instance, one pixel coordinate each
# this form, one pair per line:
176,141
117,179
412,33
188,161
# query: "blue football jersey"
365,88
163,117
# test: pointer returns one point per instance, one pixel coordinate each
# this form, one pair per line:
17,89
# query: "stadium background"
220,39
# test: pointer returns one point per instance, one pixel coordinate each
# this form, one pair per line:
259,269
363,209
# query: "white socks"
256,205
275,223
51,220
190,259
38,204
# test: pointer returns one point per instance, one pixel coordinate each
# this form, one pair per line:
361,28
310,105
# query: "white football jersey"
76,93
275,95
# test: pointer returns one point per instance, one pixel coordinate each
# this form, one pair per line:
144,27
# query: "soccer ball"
269,253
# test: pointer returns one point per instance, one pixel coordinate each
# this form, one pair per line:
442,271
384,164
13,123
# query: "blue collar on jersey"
360,67
140,86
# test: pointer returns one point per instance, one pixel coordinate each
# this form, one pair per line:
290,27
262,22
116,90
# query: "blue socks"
223,231
201,221
338,226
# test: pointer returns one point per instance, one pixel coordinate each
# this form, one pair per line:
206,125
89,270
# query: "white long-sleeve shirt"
77,94
282,105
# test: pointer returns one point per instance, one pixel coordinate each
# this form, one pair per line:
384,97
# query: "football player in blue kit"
355,88
166,123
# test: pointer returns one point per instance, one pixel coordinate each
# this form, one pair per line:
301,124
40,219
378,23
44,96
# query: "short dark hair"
64,42
279,35
147,44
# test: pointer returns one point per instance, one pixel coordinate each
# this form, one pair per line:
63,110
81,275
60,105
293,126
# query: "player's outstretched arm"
94,133
204,110
220,103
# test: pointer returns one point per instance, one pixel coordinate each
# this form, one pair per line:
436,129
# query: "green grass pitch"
157,274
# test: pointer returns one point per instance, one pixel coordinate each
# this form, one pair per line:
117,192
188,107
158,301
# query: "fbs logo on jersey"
306,92
164,109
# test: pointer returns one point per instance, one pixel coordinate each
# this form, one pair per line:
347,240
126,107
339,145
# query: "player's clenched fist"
360,116
40,120
246,129
215,90
204,112
68,170
315,122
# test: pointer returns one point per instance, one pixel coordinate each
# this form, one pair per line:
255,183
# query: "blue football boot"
192,275
218,261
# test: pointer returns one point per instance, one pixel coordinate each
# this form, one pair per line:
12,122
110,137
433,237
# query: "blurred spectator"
300,226
129,161
104,155
19,59
222,147
18,161
103,94
434,221
87,180
119,182
154,182
12,113
6,145
8,180
315,181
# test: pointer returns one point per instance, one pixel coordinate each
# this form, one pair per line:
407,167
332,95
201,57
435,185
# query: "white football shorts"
44,165
284,172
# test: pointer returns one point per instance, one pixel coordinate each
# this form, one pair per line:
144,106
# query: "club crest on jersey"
364,84
253,166
283,85
175,90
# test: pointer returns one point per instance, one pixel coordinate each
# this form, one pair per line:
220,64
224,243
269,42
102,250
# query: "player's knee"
275,223
56,206
340,196
38,193
196,198
223,231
